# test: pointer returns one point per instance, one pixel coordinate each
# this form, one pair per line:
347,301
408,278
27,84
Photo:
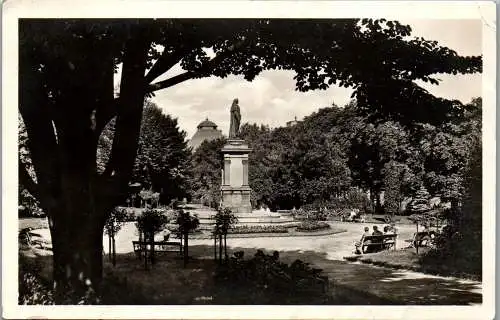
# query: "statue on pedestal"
234,127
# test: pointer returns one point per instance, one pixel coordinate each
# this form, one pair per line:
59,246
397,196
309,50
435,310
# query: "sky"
271,97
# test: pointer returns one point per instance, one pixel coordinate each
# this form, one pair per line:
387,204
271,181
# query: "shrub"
352,199
310,215
32,289
265,280
186,223
313,226
131,213
151,222
170,214
224,220
420,202
115,221
29,205
393,174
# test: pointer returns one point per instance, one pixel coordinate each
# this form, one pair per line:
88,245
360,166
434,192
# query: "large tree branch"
108,169
42,141
204,69
162,65
165,63
172,81
107,104
128,121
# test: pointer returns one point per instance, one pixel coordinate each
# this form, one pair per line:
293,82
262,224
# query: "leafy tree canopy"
206,172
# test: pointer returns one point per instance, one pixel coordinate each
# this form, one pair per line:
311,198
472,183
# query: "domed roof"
207,124
207,130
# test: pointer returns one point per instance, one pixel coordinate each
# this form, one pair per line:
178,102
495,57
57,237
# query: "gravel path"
335,246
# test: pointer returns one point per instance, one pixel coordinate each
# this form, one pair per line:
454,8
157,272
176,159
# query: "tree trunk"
372,201
378,203
152,243
114,251
220,248
225,245
215,247
77,249
455,212
109,246
416,238
145,251
186,236
63,140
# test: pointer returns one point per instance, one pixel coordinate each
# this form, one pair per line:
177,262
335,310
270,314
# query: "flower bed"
258,229
311,226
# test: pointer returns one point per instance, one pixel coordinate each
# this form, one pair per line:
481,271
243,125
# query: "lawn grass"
166,282
408,259
33,223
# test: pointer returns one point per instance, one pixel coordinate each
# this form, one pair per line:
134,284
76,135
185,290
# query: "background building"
207,130
292,123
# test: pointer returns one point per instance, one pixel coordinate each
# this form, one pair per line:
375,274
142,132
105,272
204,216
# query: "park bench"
378,243
422,239
360,219
159,246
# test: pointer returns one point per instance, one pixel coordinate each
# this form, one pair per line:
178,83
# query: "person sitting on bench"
360,242
393,228
389,230
376,231
166,234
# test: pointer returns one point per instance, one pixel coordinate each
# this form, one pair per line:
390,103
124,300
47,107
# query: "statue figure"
234,128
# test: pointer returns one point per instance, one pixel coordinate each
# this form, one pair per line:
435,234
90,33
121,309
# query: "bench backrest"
380,238
422,234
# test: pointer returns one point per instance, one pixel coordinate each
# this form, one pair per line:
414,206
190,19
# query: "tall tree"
394,177
447,150
163,158
67,97
206,174
259,172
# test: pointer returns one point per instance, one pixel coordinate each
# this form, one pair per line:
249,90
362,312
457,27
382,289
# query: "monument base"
237,199
236,146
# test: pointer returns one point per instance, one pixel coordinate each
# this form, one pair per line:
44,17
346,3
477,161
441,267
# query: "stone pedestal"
235,192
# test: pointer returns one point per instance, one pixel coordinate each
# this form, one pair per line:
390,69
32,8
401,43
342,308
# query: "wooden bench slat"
385,241
140,246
